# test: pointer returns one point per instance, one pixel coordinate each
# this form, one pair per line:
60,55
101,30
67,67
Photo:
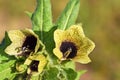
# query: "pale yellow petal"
76,30
57,52
28,61
87,46
58,36
16,36
12,49
28,32
43,61
82,59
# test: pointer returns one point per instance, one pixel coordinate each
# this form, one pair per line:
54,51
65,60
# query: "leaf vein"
68,17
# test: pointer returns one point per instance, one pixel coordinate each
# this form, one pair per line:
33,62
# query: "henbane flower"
36,64
72,44
23,42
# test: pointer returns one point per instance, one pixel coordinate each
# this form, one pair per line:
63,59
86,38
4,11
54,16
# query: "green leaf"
6,70
51,74
69,64
42,17
3,58
70,74
49,44
6,41
79,73
69,15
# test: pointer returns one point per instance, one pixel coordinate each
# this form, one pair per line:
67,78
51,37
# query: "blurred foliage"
101,22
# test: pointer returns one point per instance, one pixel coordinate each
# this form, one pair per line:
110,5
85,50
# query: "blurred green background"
101,23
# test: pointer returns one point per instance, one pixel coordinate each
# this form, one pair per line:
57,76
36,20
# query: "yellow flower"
72,44
23,42
36,64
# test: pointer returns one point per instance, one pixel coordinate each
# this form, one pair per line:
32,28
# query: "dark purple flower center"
29,45
34,65
68,49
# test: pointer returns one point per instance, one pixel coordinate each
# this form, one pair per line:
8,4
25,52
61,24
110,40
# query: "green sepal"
68,64
79,73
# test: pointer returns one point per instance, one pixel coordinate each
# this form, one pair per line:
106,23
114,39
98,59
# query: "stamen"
18,49
66,54
25,49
